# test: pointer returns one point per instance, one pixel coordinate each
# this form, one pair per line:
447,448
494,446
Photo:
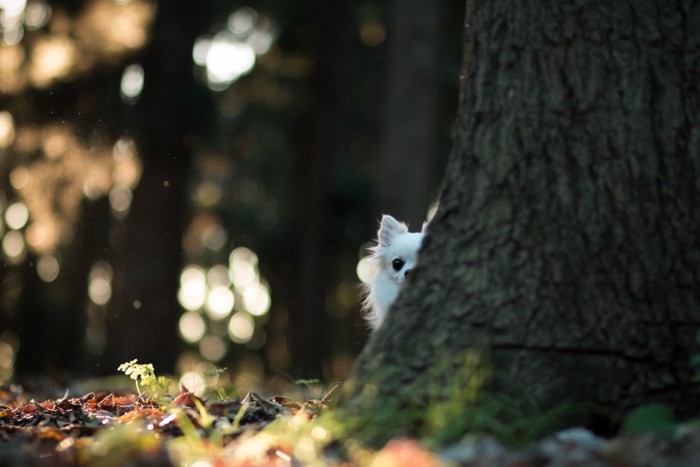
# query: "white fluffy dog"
394,257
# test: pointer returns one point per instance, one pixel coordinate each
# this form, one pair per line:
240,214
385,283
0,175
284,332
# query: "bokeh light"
64,48
220,302
192,326
53,58
261,40
100,283
214,237
48,268
256,298
12,9
13,247
120,200
7,356
193,288
213,348
200,51
215,292
16,216
9,344
241,327
372,33
243,265
43,236
242,21
37,15
232,52
119,27
59,170
11,20
365,270
14,13
19,177
7,129
132,83
194,381
227,59
127,166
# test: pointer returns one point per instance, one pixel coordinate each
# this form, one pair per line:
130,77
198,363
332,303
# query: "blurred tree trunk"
408,151
144,317
566,243
316,168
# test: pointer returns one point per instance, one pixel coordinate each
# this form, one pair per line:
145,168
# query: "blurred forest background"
193,183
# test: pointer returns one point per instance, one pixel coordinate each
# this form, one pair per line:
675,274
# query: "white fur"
394,257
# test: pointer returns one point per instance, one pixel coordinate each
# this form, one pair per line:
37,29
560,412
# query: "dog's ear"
389,228
431,214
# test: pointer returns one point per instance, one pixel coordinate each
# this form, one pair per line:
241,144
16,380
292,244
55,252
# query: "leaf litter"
87,429
115,428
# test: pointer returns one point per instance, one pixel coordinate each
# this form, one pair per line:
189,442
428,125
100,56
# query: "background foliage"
192,183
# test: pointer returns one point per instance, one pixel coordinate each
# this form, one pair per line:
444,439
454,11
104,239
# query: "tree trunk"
144,310
316,167
565,249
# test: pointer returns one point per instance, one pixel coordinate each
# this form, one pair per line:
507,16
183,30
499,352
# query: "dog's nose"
407,272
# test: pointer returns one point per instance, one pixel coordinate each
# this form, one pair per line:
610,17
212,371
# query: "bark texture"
567,239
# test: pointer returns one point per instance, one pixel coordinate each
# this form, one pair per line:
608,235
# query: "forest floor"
114,428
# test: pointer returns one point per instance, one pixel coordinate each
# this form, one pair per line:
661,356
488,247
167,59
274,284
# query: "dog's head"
397,248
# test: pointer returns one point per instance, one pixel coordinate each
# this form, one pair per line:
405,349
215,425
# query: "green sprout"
145,374
214,373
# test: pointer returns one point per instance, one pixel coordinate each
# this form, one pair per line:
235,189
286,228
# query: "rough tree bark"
566,243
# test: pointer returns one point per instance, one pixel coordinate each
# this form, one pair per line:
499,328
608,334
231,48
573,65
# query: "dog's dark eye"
397,264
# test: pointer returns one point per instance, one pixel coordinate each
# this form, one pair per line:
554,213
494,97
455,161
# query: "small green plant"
307,382
214,373
145,374
651,419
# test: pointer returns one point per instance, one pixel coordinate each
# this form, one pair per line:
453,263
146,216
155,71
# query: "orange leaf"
405,453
